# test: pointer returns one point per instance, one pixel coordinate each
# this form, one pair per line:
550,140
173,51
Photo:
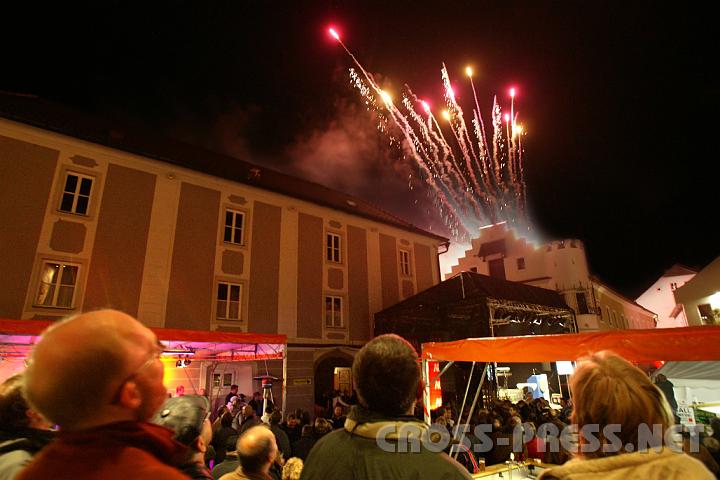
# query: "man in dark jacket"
301,448
281,438
374,442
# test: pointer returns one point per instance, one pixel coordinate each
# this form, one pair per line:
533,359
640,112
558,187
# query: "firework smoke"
473,182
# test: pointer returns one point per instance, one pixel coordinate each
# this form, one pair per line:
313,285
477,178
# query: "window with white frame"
405,262
76,193
57,285
229,301
333,311
333,245
234,223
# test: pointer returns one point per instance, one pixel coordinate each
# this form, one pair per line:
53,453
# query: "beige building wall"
660,298
559,265
700,296
151,243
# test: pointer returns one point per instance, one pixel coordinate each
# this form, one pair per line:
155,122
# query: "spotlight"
187,362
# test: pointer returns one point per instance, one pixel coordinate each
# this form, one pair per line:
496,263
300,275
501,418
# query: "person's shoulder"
231,476
682,465
441,465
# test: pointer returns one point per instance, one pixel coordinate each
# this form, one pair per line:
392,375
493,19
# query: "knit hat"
184,415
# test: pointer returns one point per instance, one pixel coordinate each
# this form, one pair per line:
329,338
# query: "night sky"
617,97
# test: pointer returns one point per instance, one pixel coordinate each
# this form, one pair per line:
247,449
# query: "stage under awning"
17,337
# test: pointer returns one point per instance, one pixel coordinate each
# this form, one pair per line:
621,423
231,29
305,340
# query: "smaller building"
560,265
660,297
700,297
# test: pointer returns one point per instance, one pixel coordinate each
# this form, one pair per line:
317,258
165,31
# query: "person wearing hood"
381,438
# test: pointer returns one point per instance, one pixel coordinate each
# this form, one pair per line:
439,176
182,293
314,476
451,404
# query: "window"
234,222
581,303
405,262
76,193
473,269
229,297
521,263
57,285
707,314
226,380
333,248
333,311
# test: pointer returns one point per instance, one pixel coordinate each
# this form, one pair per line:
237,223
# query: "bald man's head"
80,364
256,449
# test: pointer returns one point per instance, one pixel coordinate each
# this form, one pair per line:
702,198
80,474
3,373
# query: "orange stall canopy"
667,344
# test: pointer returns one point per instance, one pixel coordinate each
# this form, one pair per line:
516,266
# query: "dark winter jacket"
354,452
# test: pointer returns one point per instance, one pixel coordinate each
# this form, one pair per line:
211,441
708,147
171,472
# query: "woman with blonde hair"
292,469
622,420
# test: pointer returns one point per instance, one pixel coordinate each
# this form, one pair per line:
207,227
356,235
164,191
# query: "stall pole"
284,381
426,390
472,408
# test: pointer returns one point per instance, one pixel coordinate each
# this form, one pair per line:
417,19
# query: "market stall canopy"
667,344
17,338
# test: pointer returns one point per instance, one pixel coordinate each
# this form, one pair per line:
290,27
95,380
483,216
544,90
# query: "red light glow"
333,33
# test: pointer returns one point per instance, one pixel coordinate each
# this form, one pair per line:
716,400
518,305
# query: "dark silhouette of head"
387,375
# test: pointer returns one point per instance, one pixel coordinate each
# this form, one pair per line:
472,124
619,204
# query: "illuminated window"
76,193
57,285
332,244
405,262
333,311
707,314
229,301
234,223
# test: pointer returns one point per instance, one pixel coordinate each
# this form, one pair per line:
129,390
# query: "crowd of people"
91,404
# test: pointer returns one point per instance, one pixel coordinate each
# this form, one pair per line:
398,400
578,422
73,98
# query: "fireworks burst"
473,182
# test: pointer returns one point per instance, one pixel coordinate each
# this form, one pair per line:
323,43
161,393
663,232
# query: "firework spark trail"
463,202
459,130
418,153
456,173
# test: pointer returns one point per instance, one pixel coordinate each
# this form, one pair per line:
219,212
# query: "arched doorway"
332,372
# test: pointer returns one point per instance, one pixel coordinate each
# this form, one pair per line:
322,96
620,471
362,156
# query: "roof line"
597,280
64,120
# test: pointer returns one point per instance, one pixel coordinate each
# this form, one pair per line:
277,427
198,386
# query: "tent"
694,382
17,338
691,344
667,344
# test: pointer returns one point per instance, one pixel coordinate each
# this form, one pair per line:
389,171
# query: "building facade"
560,265
96,217
700,296
660,297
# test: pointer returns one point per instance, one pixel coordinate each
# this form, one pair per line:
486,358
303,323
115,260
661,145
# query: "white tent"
693,381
